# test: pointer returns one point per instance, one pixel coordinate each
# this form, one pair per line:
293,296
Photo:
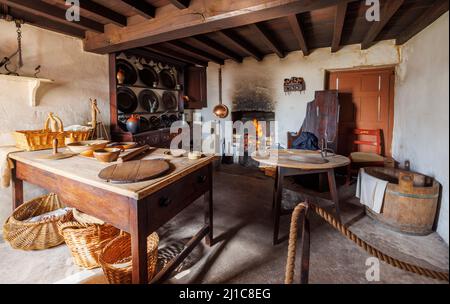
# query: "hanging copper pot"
221,110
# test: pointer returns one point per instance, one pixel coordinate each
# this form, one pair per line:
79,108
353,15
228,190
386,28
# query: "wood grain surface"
134,171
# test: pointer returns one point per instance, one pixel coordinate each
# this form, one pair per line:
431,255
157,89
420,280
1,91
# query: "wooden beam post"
268,39
142,8
181,4
296,27
54,13
175,55
209,43
184,48
104,12
341,10
241,44
389,9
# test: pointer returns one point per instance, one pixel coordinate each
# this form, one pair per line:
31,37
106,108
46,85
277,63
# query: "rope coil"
330,219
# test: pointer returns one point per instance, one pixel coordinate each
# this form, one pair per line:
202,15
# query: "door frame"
384,68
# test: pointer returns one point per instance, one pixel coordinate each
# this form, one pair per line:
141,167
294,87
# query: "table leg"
138,221
209,209
278,196
17,190
334,192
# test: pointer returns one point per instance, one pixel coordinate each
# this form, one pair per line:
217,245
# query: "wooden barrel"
410,201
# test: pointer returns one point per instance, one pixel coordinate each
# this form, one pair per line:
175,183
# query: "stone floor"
244,252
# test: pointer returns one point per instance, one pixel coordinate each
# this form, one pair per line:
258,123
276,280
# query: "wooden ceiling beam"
438,8
45,10
47,23
192,51
181,4
388,10
209,43
339,19
199,18
175,55
267,39
105,12
296,27
142,8
241,44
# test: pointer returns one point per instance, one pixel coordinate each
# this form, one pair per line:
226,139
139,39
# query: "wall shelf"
32,83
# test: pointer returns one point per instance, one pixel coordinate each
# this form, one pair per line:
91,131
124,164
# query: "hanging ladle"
221,110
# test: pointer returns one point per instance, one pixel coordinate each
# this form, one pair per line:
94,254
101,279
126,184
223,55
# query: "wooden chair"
365,159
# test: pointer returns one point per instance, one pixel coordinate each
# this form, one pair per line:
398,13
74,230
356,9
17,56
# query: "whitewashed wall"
78,76
421,132
421,128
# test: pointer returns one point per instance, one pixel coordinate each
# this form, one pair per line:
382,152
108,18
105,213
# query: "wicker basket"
43,139
34,235
86,241
115,258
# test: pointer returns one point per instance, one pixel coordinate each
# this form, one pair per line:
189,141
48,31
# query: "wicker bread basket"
115,258
34,235
86,240
34,140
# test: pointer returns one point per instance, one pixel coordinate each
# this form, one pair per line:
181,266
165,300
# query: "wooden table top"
86,171
301,159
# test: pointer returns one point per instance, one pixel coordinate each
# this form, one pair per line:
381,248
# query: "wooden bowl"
88,145
123,145
107,155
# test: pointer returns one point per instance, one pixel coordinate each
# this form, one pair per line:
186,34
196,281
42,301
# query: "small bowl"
107,155
88,145
123,145
176,152
195,155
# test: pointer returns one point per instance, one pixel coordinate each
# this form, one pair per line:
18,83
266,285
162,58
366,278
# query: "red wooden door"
367,102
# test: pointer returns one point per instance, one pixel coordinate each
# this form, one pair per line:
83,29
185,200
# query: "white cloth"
370,191
6,165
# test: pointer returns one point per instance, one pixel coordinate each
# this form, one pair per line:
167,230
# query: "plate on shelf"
148,76
130,74
155,122
149,100
169,100
144,124
168,79
126,100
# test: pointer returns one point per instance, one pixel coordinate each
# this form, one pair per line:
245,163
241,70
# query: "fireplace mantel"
31,83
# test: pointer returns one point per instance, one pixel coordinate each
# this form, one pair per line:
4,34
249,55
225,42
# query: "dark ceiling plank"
173,54
46,23
45,10
341,11
105,12
296,27
142,8
438,8
241,44
267,39
181,4
219,15
185,48
388,10
207,42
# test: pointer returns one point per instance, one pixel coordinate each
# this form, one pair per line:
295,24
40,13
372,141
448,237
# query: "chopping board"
134,171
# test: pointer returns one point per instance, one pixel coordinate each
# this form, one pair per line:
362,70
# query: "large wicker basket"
34,235
85,240
115,258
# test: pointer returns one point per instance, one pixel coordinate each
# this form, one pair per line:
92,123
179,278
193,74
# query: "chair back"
376,142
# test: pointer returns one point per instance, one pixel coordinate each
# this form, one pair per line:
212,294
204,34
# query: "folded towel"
6,165
370,191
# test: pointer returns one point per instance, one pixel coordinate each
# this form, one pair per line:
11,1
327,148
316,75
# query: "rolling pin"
133,154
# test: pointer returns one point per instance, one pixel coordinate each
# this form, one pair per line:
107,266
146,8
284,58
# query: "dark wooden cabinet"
195,78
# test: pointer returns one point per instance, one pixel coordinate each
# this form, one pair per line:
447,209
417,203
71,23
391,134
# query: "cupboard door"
195,78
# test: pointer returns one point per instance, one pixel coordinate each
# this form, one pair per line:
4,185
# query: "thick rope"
438,275
290,266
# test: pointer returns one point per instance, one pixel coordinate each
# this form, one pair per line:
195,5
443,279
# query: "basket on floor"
115,258
86,240
21,233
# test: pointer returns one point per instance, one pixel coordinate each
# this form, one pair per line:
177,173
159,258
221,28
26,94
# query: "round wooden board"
134,171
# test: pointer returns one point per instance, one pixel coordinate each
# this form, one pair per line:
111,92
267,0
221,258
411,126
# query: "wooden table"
300,162
138,208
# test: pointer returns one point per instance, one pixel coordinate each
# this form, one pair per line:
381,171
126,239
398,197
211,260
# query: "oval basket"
115,258
86,240
34,235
